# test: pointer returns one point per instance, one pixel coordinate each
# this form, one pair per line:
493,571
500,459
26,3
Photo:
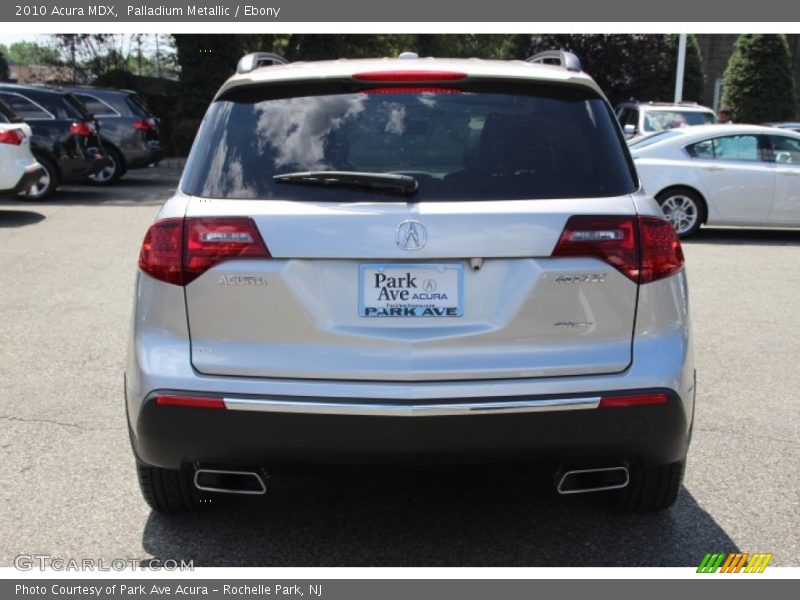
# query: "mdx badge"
580,278
241,280
411,235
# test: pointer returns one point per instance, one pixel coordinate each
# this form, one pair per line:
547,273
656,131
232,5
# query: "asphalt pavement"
69,488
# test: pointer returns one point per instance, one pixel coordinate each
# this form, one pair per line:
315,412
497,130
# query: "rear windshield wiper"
387,183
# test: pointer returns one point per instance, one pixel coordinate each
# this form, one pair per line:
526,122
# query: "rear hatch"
408,234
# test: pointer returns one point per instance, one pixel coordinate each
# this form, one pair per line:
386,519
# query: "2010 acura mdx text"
415,261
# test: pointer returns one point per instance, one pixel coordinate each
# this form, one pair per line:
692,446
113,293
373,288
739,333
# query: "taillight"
161,255
190,401
210,241
662,254
142,124
409,76
644,249
611,239
635,400
180,250
12,136
81,128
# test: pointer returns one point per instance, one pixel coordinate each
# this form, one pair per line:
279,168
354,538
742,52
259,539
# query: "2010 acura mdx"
410,261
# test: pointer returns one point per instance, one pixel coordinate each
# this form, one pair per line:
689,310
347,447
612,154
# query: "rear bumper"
78,170
280,432
29,177
151,155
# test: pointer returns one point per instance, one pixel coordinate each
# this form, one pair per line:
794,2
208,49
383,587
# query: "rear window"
96,107
659,120
24,107
472,144
7,115
138,106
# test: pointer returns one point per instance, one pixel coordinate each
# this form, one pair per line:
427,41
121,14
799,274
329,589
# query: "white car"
742,175
18,168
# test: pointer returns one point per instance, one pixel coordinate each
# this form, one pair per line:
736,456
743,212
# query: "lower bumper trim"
411,410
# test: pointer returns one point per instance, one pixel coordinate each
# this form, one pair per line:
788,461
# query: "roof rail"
255,60
560,58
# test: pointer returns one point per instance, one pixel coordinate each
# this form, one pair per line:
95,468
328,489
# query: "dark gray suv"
129,130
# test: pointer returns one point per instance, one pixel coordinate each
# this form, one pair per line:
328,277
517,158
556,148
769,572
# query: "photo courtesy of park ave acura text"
398,299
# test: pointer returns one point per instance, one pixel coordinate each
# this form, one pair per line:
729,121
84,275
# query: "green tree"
205,62
624,65
4,74
662,86
758,83
30,53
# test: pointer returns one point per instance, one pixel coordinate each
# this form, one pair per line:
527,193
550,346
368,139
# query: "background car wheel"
111,173
46,185
683,208
651,488
168,491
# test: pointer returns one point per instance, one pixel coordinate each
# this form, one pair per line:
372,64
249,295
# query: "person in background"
724,116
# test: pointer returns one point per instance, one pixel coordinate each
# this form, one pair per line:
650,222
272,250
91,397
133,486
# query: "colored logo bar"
735,562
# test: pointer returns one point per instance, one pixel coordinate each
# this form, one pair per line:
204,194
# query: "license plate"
412,290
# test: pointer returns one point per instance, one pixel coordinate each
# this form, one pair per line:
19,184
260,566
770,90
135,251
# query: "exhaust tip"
581,481
229,482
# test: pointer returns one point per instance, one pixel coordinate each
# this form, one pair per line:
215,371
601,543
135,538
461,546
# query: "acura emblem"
411,235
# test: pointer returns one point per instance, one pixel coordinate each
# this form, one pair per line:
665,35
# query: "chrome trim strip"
411,410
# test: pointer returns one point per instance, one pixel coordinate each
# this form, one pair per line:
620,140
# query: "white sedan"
722,175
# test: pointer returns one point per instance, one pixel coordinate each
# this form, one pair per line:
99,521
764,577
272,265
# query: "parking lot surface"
69,488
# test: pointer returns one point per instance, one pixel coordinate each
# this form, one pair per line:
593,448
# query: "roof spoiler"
256,60
559,58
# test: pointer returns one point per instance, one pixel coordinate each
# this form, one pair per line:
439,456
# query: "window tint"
462,145
659,120
24,107
785,150
95,106
138,106
729,147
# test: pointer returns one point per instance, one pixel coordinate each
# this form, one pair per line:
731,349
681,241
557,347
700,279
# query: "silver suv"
410,261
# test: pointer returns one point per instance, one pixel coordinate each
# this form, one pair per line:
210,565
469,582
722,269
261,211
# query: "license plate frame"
442,274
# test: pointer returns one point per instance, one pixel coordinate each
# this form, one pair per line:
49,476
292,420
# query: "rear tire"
168,491
651,488
46,185
110,175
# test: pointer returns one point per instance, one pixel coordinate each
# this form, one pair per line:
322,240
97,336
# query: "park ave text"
113,11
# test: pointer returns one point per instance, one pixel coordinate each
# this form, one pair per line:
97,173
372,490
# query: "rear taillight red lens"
662,254
409,76
190,401
142,124
644,249
611,239
210,241
161,254
180,250
82,128
635,400
12,136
